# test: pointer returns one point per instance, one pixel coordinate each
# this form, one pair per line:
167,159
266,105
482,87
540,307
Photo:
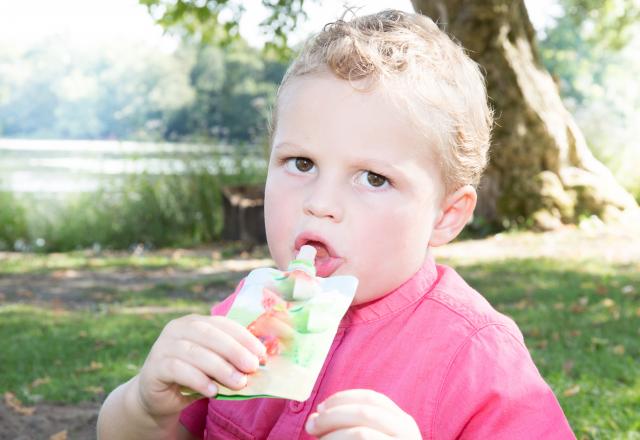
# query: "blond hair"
422,69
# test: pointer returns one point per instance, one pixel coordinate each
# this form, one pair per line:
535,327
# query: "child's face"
350,176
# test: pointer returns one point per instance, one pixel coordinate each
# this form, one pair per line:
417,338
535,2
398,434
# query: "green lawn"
580,318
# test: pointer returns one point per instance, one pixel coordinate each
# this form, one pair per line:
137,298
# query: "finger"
211,364
203,333
362,396
352,416
240,334
176,371
356,434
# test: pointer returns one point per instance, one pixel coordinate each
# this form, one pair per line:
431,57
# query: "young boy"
380,134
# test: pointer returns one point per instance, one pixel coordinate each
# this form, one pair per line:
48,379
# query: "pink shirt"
435,347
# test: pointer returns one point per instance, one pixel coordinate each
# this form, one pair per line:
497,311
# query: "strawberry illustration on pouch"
273,327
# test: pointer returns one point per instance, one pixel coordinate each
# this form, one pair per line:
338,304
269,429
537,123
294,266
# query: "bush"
13,221
155,210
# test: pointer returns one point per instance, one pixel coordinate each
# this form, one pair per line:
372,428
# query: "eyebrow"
380,166
293,149
288,145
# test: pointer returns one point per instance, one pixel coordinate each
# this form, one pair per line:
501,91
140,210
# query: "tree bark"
541,171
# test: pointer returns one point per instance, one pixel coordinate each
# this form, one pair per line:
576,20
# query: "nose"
323,202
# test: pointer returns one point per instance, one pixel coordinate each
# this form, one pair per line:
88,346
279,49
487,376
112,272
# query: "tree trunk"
243,208
541,169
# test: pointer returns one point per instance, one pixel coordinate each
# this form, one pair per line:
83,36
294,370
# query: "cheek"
396,223
278,218
375,240
392,245
390,232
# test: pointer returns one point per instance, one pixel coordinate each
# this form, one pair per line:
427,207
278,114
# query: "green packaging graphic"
296,315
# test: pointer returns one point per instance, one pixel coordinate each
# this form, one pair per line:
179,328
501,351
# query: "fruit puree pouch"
296,315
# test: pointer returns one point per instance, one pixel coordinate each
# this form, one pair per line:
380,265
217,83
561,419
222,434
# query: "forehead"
319,109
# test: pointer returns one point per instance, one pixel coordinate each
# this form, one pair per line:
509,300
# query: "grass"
580,318
69,357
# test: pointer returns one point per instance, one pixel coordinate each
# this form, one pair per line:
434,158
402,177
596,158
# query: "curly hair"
430,78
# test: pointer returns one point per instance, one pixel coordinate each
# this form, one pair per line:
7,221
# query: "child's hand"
356,414
190,352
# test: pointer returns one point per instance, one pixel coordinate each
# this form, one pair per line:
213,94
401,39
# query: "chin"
357,300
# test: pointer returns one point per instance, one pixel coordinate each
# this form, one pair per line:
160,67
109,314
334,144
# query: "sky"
90,22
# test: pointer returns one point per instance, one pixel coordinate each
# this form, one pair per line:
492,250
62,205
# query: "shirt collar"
407,293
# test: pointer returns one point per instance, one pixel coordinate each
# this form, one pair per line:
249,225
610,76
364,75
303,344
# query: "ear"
456,210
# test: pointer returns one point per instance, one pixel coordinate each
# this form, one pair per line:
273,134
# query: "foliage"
606,24
13,220
152,210
216,22
55,90
591,50
585,39
235,89
58,91
155,210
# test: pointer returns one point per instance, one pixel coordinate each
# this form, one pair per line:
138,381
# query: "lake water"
62,166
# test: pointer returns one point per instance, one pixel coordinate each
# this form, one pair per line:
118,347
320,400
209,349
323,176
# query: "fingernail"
238,377
311,423
250,363
213,389
321,407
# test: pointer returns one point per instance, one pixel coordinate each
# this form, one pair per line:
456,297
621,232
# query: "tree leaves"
604,23
217,21
585,39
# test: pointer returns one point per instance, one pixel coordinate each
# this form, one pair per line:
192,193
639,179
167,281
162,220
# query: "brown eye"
375,180
303,164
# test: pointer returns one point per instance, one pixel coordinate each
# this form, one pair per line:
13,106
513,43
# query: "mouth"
327,261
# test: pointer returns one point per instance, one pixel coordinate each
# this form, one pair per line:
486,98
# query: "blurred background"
133,146
115,131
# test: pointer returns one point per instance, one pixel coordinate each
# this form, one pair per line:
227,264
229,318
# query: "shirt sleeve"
494,390
194,416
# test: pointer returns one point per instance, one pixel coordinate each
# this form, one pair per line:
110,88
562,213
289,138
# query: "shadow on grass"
34,264
30,263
